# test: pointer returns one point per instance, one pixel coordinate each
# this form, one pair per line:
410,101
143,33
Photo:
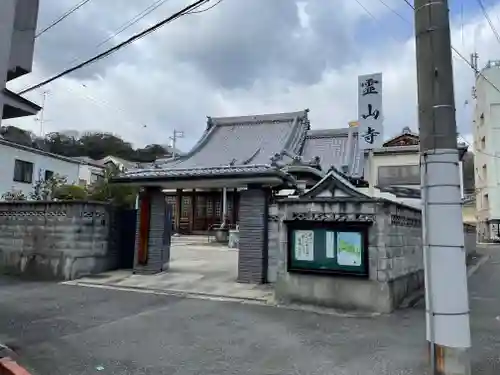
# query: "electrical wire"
61,18
131,22
119,46
204,10
375,18
485,14
393,10
478,72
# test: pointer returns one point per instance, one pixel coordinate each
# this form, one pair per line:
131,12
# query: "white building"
397,163
486,124
21,167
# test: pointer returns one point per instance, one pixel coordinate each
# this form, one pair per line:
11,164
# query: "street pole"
447,305
177,134
7,14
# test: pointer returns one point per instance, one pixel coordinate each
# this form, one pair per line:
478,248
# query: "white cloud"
164,92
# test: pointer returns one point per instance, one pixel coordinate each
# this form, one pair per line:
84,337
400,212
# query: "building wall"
397,159
56,240
9,154
486,136
89,174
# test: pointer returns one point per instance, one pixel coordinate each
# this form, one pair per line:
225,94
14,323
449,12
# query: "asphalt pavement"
71,330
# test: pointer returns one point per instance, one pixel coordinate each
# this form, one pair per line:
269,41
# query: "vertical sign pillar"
371,120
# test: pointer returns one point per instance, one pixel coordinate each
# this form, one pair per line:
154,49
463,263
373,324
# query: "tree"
118,195
16,135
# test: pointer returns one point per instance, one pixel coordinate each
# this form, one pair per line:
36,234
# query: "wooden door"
186,216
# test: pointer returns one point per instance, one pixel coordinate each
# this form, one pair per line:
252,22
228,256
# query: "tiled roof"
235,145
335,147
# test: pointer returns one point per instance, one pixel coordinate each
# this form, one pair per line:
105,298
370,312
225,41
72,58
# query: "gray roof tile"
335,147
236,142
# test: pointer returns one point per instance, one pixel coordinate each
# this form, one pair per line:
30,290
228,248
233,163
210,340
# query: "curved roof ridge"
298,135
318,133
251,119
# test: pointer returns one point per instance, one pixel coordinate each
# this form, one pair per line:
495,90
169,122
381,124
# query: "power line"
464,58
393,10
61,18
204,10
131,22
142,34
373,16
485,14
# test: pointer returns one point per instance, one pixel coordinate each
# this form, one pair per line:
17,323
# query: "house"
117,162
18,19
22,166
90,170
397,163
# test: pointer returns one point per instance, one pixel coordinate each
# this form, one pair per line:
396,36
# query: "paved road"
69,330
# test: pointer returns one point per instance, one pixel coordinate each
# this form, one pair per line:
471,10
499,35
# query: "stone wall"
395,254
56,240
253,254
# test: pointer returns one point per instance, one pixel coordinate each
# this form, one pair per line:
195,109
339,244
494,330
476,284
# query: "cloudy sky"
242,57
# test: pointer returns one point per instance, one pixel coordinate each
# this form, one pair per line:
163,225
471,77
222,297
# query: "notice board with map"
332,248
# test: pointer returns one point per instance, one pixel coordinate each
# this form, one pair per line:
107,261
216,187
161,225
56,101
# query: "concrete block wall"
158,249
394,252
253,249
55,240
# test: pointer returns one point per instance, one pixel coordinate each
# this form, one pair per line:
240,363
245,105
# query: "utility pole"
41,119
7,14
447,305
177,134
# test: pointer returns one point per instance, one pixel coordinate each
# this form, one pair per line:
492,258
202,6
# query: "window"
485,173
398,175
48,175
23,171
483,143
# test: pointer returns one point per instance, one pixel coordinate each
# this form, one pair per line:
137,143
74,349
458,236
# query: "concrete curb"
269,302
10,367
471,270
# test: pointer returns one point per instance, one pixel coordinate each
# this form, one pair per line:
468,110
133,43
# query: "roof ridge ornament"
210,123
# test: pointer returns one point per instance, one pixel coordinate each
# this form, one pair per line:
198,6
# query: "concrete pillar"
253,224
7,15
157,250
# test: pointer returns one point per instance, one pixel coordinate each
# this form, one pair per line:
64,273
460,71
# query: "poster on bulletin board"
304,245
349,248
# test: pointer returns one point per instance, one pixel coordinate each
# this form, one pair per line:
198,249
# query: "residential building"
90,171
397,163
117,162
486,131
22,166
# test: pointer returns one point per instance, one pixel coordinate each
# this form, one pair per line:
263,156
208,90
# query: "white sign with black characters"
370,116
304,245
